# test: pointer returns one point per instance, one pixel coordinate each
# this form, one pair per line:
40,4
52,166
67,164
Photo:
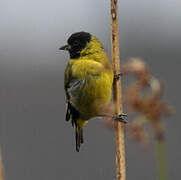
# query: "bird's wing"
69,84
76,74
72,84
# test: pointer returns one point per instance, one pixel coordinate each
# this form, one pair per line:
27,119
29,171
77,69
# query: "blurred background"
36,142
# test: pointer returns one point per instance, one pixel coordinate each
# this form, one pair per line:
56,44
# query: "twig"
119,127
1,168
161,162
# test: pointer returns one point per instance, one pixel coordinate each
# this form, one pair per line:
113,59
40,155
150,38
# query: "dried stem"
1,168
119,127
161,162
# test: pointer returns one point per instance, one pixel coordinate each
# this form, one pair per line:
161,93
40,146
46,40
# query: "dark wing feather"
73,115
71,85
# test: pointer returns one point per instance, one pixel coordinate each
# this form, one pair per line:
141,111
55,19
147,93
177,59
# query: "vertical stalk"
1,168
117,91
161,162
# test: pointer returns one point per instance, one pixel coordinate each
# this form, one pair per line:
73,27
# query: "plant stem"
161,162
117,93
1,167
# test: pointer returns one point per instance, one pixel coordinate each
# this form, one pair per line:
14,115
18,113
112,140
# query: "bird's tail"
79,133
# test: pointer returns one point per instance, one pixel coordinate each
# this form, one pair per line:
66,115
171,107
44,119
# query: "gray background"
36,142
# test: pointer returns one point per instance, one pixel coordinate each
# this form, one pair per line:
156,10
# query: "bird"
88,81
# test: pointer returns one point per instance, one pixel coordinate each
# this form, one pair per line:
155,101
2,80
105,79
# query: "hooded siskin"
88,81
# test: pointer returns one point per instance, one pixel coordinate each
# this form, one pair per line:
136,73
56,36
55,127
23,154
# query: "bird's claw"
117,76
121,118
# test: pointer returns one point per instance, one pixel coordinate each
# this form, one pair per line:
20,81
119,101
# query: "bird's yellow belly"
94,96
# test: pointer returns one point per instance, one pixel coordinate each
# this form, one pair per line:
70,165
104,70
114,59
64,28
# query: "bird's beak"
65,47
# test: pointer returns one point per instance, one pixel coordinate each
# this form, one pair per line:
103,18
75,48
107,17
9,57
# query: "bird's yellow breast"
96,92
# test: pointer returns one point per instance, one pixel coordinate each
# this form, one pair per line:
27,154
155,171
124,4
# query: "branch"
117,91
1,168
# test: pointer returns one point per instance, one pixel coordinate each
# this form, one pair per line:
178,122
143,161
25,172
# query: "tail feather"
77,141
68,113
78,138
81,136
73,115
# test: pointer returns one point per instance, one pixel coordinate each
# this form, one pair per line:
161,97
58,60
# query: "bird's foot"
117,76
121,118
